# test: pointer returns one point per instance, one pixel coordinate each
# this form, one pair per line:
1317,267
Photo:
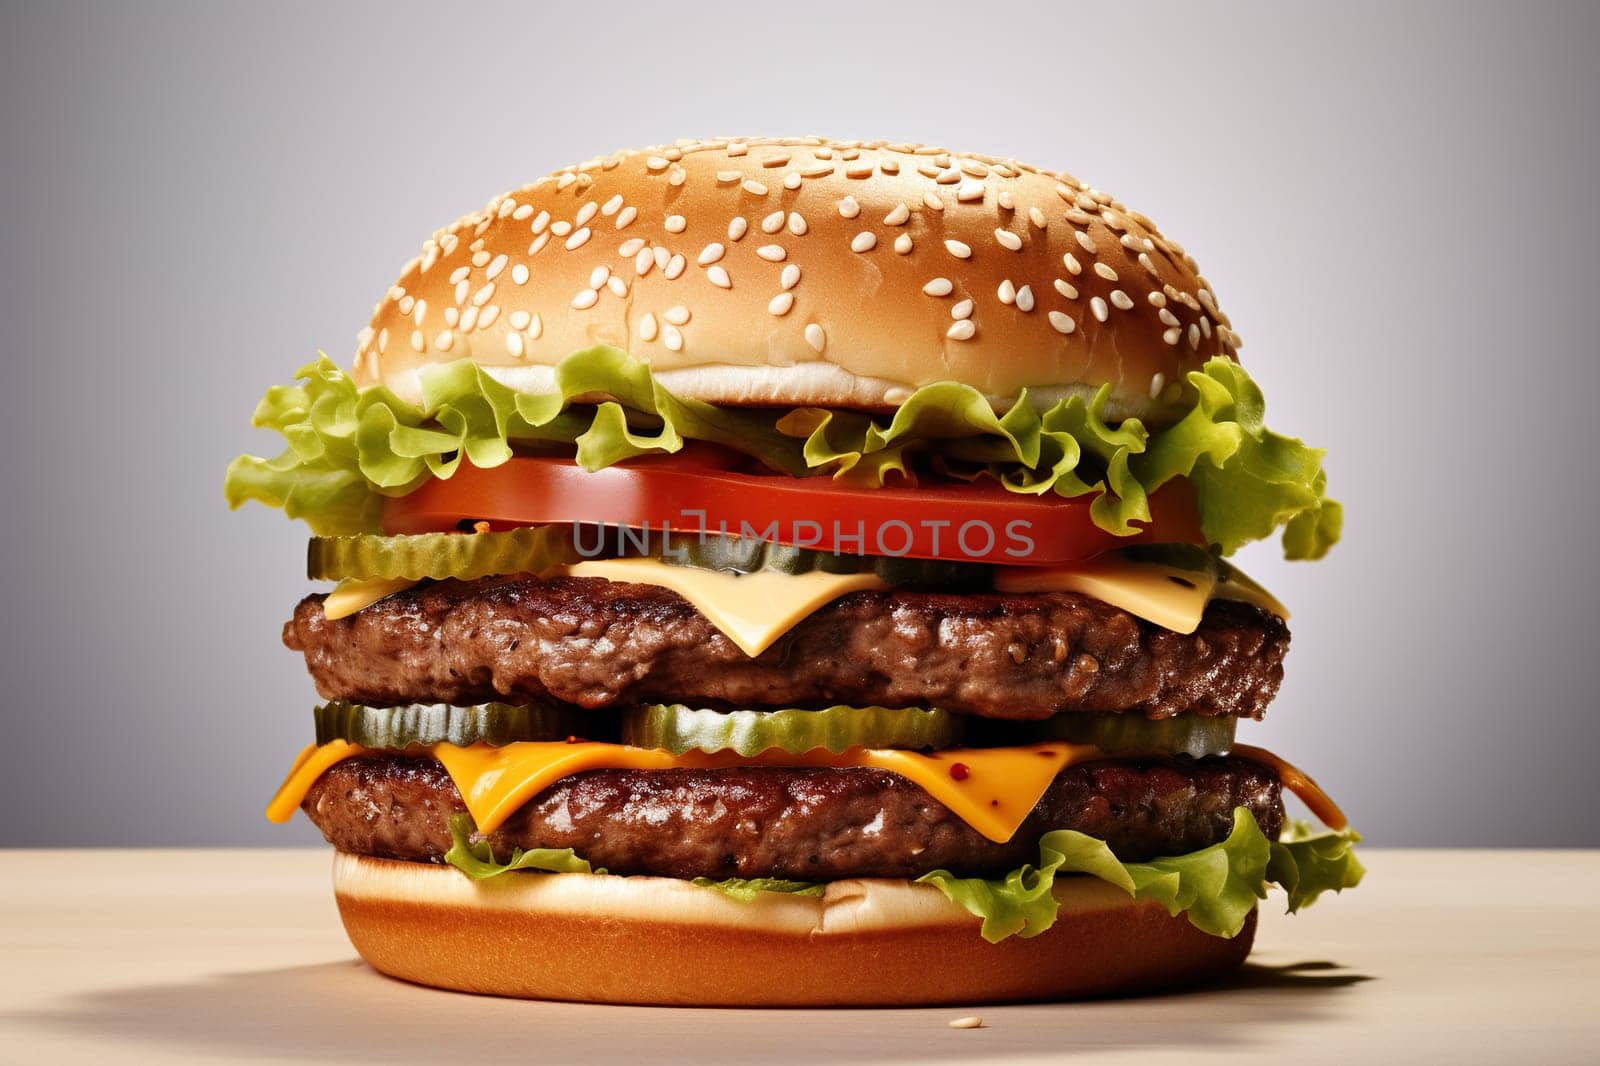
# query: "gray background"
1394,202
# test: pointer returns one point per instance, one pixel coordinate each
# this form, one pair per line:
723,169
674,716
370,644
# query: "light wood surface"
212,956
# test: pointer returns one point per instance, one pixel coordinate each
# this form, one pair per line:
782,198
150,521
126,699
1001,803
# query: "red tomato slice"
977,522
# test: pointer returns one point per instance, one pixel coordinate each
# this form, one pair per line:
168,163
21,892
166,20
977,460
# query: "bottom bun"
654,940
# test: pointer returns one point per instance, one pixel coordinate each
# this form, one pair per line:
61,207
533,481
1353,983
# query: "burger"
794,572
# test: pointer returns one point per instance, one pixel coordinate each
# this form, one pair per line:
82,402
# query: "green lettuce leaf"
348,448
1308,864
746,889
475,859
1215,887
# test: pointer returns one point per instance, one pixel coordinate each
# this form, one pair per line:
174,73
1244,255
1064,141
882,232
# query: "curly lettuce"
1215,887
348,448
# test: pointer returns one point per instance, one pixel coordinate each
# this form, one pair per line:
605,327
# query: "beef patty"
810,824
599,643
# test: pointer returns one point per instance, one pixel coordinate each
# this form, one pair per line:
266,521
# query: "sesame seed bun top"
806,271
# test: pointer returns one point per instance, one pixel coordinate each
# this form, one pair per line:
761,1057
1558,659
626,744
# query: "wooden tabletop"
210,956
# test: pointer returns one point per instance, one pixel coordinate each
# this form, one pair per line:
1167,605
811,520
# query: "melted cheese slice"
991,789
1170,596
752,610
352,595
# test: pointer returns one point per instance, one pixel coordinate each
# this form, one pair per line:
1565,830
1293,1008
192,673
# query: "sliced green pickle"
1185,734
750,555
441,555
439,723
679,729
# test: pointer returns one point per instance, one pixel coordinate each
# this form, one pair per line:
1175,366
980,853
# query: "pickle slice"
680,729
1185,734
749,555
528,550
440,723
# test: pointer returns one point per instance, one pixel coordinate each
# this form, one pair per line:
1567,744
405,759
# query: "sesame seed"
538,243
1121,300
897,215
962,330
598,276
1157,299
519,274
781,303
958,249
737,148
849,208
578,239
710,254
626,217
772,253
1105,272
754,188
643,262
630,246
816,337
931,201
479,258
461,291
779,160
611,206
523,213
674,268
676,224
858,170
482,296
408,302
969,190
1194,335
1062,322
617,286
797,224
536,327
1166,316
518,319
1098,306
655,162
962,309
1157,383
1085,242
1007,292
863,242
514,346
728,177
672,338
1172,335
817,170
772,223
949,176
902,244
540,222
561,227
452,317
969,1022
1003,198
1145,261
459,274
719,277
420,313
1008,240
677,175
1207,300
647,327
1205,326
790,276
939,287
737,227
662,256
445,341
585,213
677,314
585,299
1025,298
417,343
1070,261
